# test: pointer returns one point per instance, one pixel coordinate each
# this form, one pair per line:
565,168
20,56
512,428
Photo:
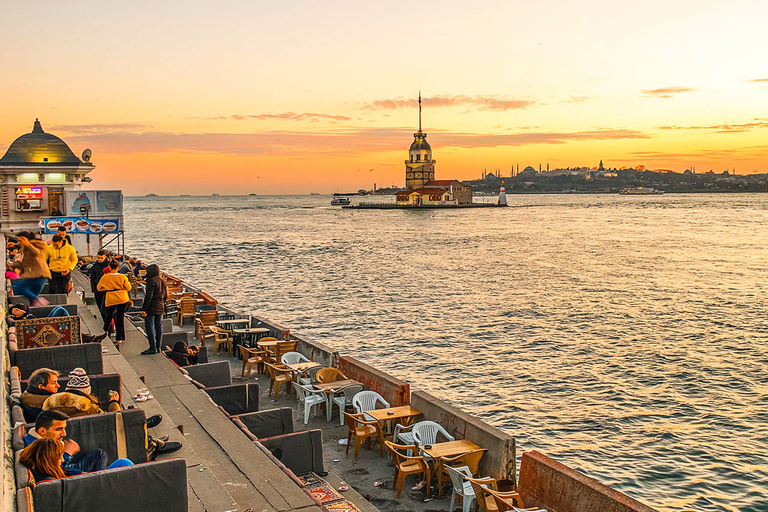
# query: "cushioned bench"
62,358
160,485
103,431
300,452
101,385
235,399
210,375
58,299
269,423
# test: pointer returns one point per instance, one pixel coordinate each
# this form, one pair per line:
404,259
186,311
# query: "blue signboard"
75,225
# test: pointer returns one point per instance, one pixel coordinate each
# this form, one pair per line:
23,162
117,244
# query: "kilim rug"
323,492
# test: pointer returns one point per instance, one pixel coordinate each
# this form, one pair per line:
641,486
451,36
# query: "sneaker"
154,421
100,337
170,447
148,352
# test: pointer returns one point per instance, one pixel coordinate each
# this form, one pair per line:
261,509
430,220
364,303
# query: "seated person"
42,383
17,312
76,399
51,425
182,354
45,459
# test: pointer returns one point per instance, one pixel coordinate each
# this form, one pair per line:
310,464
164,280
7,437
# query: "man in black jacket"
155,294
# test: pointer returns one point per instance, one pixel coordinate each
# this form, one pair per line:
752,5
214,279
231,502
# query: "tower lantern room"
419,168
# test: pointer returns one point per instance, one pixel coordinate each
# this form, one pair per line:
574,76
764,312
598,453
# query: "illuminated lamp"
56,177
27,177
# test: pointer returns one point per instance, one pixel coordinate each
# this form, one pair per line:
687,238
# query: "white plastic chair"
293,358
461,487
366,401
350,391
425,432
311,376
309,397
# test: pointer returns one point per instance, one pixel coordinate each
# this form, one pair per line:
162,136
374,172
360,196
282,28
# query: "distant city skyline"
298,97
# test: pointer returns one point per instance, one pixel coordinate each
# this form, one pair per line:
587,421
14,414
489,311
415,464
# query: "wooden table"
330,387
403,413
302,367
450,448
267,344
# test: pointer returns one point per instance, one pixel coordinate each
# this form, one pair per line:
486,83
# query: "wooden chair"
469,459
278,375
504,500
270,350
134,284
221,337
329,375
282,348
171,308
406,465
484,500
187,309
201,332
361,429
252,356
203,323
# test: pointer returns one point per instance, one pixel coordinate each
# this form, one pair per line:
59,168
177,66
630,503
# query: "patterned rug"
324,493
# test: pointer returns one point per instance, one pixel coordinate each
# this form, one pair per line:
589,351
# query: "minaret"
419,168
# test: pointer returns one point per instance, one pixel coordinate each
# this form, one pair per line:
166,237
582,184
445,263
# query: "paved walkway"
226,472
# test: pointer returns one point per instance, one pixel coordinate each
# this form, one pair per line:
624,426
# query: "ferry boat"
340,201
640,191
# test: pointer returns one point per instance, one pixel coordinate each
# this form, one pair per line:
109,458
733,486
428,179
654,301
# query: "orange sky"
298,96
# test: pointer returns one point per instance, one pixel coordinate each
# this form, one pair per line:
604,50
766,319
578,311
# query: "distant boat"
314,194
640,191
253,194
151,195
215,195
340,201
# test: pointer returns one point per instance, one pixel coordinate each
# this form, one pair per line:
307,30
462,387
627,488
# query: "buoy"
502,195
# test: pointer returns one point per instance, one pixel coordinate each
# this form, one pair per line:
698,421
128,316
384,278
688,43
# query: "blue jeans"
95,460
153,324
30,288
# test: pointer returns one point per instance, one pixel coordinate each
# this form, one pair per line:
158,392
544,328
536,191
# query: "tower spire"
419,110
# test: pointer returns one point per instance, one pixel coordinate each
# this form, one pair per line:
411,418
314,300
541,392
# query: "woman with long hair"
44,458
33,270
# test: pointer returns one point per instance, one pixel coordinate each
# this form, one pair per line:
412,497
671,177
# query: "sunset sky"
304,96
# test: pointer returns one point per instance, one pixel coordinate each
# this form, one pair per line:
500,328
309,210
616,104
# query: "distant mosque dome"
529,169
420,142
39,148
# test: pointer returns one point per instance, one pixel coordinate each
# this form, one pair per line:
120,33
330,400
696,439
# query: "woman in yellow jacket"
116,300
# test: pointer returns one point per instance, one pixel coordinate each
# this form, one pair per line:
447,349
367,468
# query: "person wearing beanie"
76,399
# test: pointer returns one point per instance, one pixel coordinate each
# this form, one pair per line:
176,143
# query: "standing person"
62,259
95,274
62,232
153,308
116,301
33,271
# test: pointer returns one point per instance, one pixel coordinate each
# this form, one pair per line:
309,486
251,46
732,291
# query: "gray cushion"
24,500
237,398
269,423
211,374
17,415
62,358
301,452
17,438
43,311
158,486
16,386
23,475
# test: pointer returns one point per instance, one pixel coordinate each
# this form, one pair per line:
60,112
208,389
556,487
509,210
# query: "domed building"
36,173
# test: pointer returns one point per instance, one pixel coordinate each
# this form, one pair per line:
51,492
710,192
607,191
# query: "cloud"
488,102
95,129
578,99
666,92
341,142
286,116
724,128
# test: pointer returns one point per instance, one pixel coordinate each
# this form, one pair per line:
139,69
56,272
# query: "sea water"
622,335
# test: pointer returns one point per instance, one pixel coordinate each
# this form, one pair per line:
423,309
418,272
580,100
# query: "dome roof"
420,142
39,148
